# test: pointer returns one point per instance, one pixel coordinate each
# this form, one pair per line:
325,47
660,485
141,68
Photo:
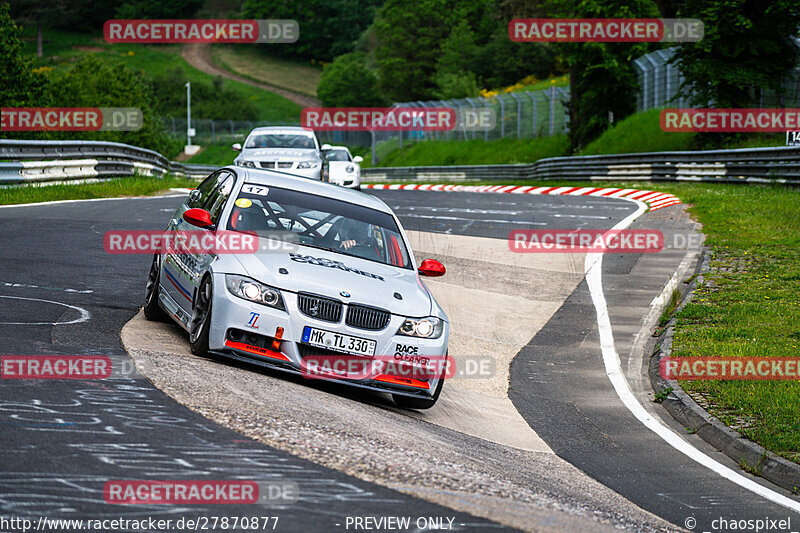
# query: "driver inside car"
352,233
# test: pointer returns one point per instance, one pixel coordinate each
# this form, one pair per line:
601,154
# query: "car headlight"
349,169
307,164
427,328
251,164
250,289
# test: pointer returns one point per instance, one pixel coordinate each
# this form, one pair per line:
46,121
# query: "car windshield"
319,222
280,140
338,155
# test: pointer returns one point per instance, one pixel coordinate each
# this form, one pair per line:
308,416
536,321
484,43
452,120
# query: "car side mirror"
358,159
237,147
198,217
326,147
431,268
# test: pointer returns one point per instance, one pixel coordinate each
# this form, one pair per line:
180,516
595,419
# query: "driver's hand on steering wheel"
347,244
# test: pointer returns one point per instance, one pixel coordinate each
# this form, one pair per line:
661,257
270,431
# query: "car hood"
328,274
281,154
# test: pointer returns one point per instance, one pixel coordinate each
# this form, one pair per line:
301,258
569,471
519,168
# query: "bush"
20,86
209,100
328,28
93,83
348,81
158,9
455,85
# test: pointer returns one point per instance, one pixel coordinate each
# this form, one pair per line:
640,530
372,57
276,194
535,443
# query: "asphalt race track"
590,466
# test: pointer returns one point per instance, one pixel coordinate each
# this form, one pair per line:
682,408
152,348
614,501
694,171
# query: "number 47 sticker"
255,189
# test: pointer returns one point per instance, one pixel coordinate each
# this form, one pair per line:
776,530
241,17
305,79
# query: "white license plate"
338,341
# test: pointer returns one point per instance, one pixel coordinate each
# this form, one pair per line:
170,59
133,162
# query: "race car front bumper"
267,336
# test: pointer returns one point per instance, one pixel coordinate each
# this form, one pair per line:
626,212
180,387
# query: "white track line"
85,315
593,268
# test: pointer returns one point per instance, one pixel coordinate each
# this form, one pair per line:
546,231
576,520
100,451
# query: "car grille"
306,350
267,164
362,317
285,165
319,308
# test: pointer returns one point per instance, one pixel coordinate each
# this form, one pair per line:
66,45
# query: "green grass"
474,152
254,65
748,306
60,51
129,186
214,154
640,132
60,48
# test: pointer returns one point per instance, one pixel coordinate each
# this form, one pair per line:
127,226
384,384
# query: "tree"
416,39
348,81
454,85
602,77
158,9
501,61
94,83
328,28
21,87
747,48
74,15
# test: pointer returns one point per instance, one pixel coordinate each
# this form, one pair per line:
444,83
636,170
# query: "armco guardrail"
49,161
44,161
755,165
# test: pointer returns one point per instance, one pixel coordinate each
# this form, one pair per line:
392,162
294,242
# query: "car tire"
407,402
152,310
201,319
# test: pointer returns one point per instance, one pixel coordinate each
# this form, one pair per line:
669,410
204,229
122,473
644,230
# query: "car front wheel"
153,311
201,319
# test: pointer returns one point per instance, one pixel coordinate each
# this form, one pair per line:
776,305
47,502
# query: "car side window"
219,196
199,196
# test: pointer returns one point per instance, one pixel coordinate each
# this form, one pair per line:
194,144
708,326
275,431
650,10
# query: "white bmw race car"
330,290
287,149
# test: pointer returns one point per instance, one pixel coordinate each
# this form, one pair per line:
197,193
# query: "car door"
183,269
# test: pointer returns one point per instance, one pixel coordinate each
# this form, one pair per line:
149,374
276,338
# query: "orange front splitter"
255,350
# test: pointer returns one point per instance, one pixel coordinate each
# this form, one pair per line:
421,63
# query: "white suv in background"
293,150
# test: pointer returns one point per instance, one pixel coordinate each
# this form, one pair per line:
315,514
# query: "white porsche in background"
340,167
333,279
